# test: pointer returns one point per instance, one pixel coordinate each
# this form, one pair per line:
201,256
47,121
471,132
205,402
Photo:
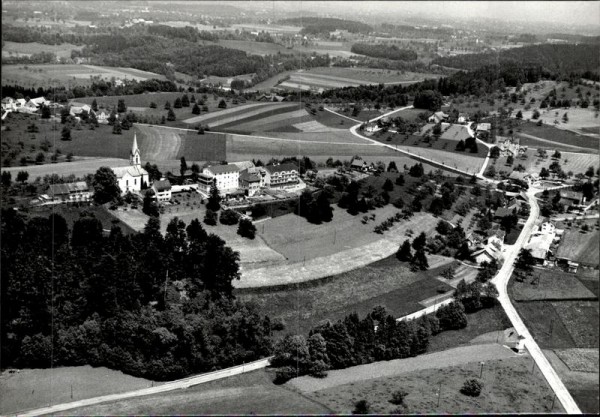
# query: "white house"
133,177
226,177
40,101
281,176
162,190
102,118
438,117
20,103
251,181
8,103
30,107
76,110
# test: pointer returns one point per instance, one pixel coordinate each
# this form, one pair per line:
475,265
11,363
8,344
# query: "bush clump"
472,388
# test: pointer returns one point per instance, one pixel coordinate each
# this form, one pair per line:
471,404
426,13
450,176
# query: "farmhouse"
358,164
71,192
20,103
226,177
39,101
462,118
8,103
438,117
486,254
539,244
372,127
76,111
162,190
132,178
102,118
572,198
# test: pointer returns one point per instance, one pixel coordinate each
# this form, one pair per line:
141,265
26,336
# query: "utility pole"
439,395
481,370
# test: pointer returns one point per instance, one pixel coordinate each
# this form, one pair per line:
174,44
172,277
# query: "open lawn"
578,246
245,394
34,388
580,360
509,387
49,75
387,282
27,49
372,75
550,285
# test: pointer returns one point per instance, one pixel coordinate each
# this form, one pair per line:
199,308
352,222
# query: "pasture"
548,284
530,134
27,49
34,388
49,75
506,378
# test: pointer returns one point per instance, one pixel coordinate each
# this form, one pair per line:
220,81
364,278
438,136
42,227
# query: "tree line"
150,305
384,51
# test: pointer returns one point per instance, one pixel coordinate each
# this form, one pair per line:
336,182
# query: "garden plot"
579,360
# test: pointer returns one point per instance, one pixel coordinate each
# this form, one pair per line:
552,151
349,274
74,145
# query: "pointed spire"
134,149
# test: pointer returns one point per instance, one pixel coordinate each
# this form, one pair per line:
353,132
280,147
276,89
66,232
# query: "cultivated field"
580,247
34,388
256,48
506,378
27,49
582,384
49,75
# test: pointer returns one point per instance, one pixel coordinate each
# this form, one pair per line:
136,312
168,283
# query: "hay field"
232,113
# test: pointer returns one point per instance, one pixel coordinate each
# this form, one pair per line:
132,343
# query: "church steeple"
134,156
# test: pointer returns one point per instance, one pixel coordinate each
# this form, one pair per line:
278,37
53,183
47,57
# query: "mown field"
528,131
551,284
27,49
49,75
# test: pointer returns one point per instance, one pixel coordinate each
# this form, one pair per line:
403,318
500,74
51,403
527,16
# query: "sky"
569,12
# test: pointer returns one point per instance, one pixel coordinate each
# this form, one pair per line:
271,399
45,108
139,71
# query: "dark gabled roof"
162,185
249,176
222,169
571,195
281,168
62,189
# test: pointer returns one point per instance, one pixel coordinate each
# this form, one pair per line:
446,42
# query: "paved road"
501,282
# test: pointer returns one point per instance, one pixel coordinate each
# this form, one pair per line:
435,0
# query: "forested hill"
560,59
316,25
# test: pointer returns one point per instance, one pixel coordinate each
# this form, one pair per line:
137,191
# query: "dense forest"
151,306
320,25
558,59
384,51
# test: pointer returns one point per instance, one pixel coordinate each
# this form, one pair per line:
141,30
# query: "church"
132,178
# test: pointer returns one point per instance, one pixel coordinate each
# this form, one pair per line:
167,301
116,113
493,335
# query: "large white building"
132,178
282,176
226,177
